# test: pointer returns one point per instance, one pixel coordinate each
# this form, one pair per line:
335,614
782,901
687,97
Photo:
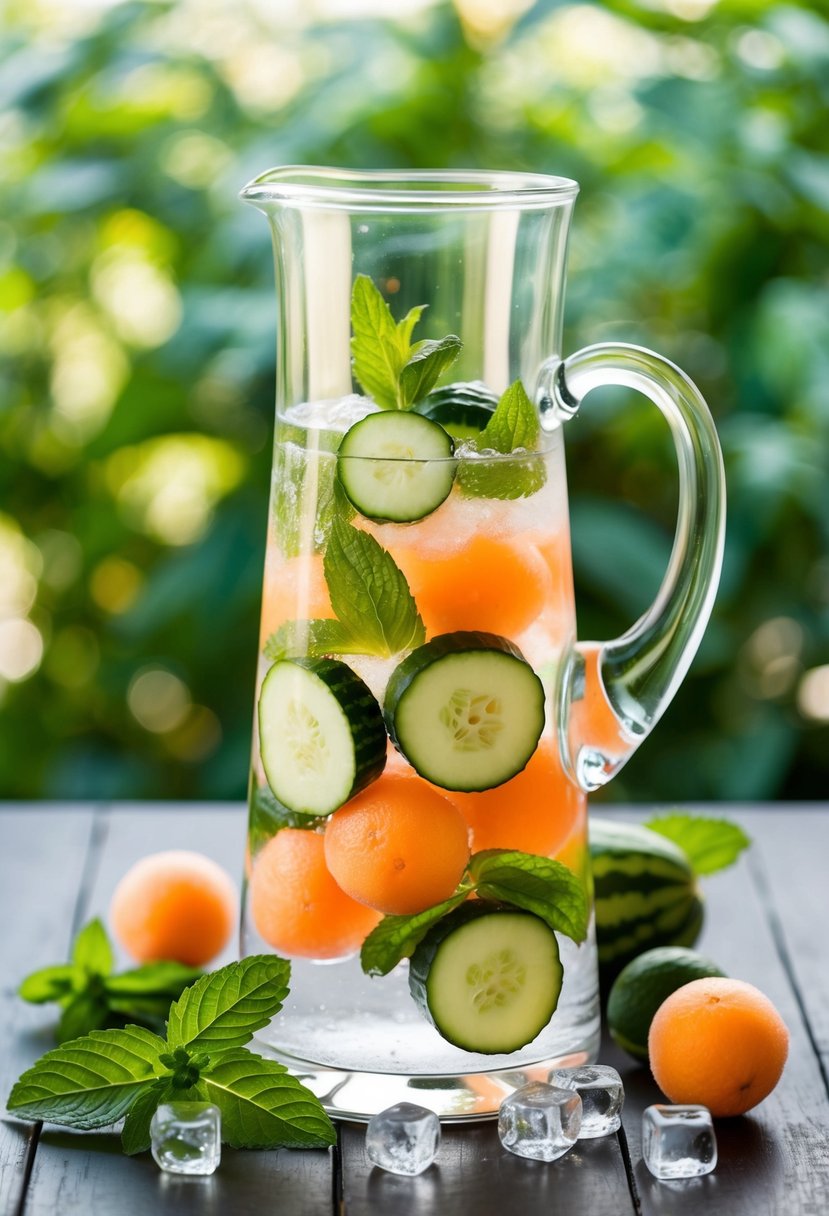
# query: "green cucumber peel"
505,876
391,368
98,1078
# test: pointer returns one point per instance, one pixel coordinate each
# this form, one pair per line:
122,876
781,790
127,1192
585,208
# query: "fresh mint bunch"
520,880
513,429
374,608
709,844
92,997
107,1075
391,368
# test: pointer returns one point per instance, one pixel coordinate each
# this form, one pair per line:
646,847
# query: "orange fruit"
297,906
294,590
496,586
174,905
535,811
718,1042
399,846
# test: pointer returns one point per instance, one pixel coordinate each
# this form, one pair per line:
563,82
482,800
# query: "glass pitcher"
427,726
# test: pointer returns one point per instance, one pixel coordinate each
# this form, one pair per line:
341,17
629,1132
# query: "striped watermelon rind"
646,894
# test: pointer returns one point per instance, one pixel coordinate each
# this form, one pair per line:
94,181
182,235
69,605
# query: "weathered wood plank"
43,855
473,1173
82,1173
775,1159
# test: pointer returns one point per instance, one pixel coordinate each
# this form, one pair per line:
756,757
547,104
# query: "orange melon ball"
296,905
174,905
293,590
399,846
718,1042
536,811
494,585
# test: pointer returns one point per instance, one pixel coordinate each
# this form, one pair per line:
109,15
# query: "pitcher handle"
613,693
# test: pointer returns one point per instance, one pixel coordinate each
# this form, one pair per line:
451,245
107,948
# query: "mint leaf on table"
397,937
710,844
369,593
513,428
92,951
87,1010
135,1134
95,1080
48,984
537,884
163,978
389,367
91,1081
263,1105
225,1008
522,880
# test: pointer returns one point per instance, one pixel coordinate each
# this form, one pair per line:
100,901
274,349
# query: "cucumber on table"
462,409
396,466
321,734
466,710
487,977
646,894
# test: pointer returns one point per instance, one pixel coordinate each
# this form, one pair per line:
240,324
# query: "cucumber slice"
461,409
488,978
466,710
396,466
321,734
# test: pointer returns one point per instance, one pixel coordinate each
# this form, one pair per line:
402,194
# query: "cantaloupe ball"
174,905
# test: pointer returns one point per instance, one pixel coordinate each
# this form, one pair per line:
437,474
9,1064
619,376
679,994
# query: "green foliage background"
137,324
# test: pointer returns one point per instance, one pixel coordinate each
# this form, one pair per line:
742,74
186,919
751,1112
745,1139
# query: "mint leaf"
92,951
91,1081
152,979
48,984
268,816
379,349
513,427
396,937
425,366
135,1134
85,1012
225,1008
710,844
539,885
312,638
263,1106
369,593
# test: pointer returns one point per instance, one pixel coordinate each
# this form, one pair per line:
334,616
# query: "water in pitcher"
493,565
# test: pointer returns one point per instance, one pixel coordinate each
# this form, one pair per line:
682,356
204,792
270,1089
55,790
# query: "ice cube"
403,1139
678,1141
332,414
540,1121
186,1137
602,1094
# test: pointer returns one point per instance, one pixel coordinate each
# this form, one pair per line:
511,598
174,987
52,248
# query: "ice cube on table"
186,1137
540,1121
602,1094
403,1139
678,1141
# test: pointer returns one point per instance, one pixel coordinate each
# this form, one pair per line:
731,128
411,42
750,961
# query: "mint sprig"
513,428
710,844
375,611
522,880
101,1077
391,368
91,997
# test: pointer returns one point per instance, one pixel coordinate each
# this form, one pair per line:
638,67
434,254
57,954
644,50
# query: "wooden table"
767,923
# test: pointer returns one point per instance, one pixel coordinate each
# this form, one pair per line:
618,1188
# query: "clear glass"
486,254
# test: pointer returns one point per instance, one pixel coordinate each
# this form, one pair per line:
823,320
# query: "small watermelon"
646,894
